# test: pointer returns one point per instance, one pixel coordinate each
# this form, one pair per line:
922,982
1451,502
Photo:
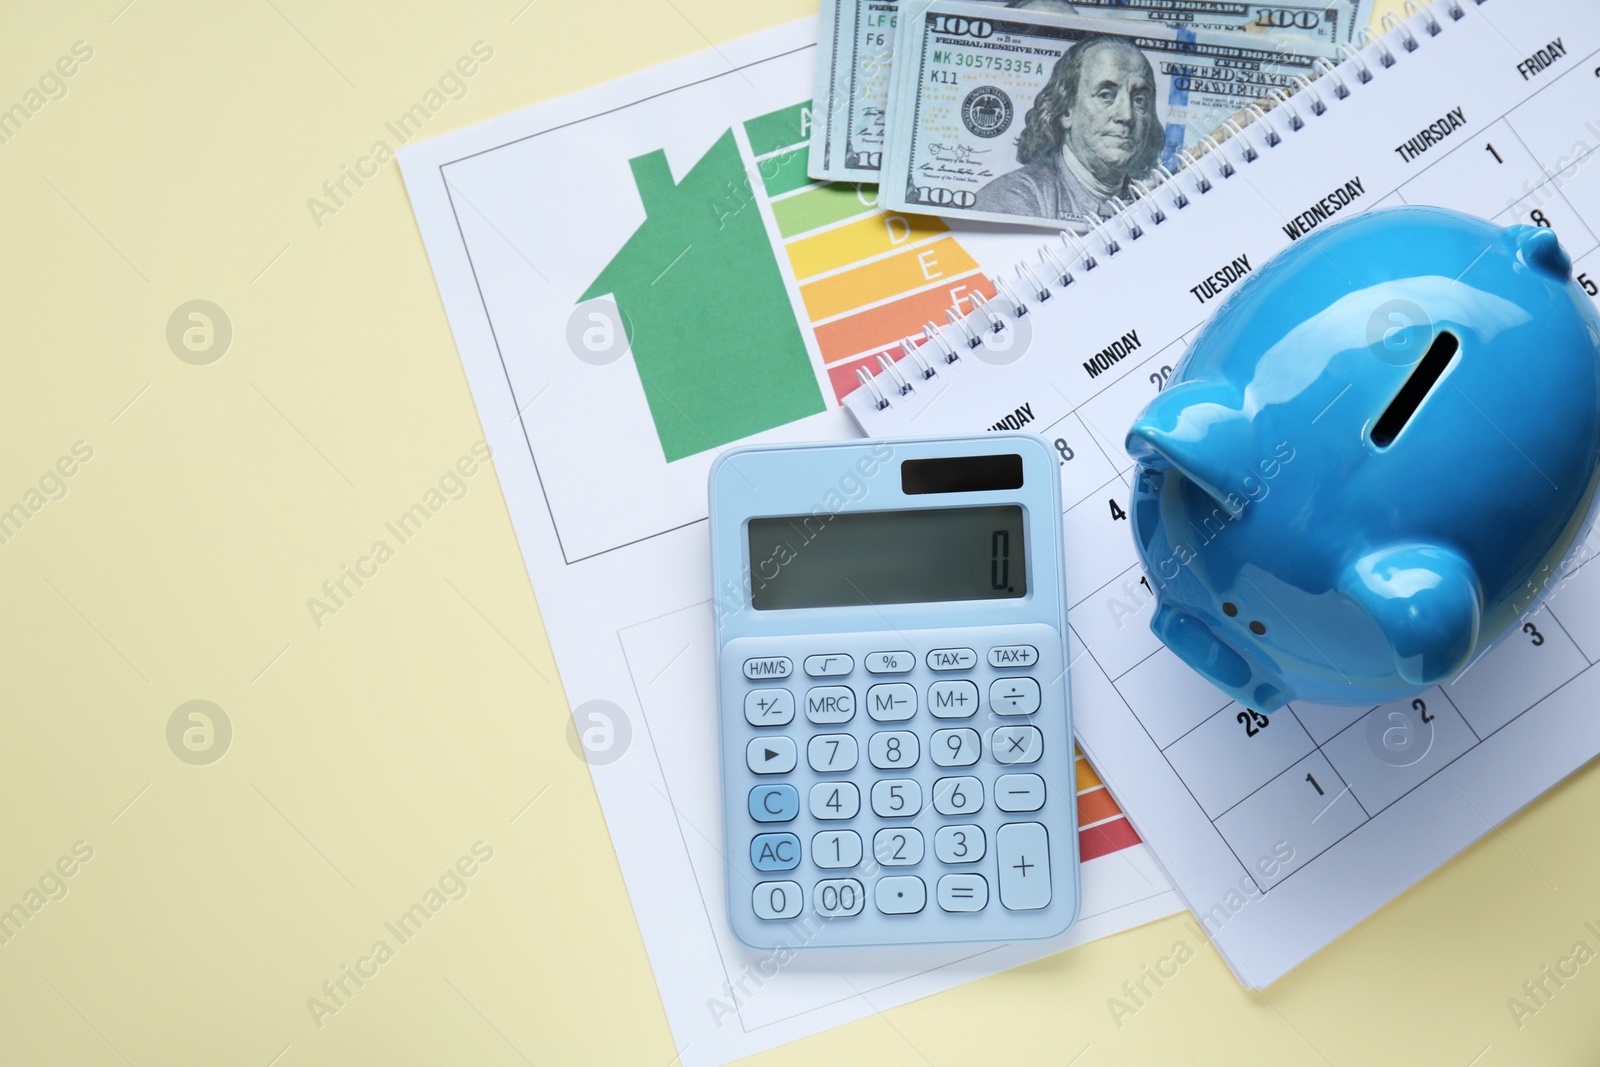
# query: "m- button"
1013,656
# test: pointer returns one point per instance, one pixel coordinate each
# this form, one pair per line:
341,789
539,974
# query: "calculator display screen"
924,555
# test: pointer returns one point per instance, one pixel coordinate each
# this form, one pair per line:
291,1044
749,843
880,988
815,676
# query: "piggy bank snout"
1202,648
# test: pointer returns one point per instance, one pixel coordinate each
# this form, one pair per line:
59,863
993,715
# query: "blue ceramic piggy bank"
1372,460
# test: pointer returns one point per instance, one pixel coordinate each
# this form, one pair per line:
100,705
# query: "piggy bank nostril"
1258,628
1230,610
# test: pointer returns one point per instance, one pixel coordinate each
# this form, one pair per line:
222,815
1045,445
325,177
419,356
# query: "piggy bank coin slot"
1429,369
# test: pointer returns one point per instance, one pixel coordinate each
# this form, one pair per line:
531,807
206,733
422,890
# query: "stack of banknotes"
1046,112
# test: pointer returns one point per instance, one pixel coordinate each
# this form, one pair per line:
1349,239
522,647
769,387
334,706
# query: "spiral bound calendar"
1282,833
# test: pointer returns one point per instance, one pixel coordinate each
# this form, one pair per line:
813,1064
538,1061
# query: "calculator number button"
776,900
893,749
959,844
837,898
953,700
836,848
1016,744
831,752
770,755
774,803
952,659
1019,792
957,796
954,748
762,667
1023,849
899,847
775,852
830,666
963,892
895,798
890,662
835,800
1014,696
900,895
768,707
1013,656
892,701
828,705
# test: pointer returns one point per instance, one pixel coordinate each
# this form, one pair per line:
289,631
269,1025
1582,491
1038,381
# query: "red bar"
1105,839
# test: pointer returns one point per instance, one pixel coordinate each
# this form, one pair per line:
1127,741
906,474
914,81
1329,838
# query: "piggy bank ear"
1538,247
1198,429
1427,602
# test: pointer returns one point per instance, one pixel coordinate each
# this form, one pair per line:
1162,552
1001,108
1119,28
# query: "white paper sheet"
520,215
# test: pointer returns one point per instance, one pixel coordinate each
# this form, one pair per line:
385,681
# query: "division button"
1013,656
900,895
963,892
1023,851
890,662
774,803
775,852
761,667
829,666
768,707
770,755
777,900
1019,792
1014,696
952,659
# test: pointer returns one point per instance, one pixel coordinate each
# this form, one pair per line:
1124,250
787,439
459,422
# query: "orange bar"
1096,805
881,327
1087,778
911,269
858,240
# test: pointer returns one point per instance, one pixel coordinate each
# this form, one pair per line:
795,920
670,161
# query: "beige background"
370,754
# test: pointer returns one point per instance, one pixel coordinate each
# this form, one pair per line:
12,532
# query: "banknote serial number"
999,64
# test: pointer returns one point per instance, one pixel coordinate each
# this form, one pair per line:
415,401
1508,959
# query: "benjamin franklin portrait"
1091,132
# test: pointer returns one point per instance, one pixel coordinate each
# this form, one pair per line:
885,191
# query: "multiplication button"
759,668
890,662
952,659
1016,744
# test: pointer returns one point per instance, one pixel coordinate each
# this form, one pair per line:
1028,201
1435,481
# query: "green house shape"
713,334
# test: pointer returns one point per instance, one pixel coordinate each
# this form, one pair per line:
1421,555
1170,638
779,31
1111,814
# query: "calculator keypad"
949,801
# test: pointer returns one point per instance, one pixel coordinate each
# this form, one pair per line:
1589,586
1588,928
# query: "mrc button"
760,667
1003,656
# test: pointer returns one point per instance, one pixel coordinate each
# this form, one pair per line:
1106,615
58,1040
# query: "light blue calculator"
897,755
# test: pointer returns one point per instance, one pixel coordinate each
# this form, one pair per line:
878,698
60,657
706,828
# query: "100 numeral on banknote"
1053,119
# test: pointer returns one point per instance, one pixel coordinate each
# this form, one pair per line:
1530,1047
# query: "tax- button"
890,662
1013,656
952,659
775,852
1014,696
774,803
760,667
770,755
830,666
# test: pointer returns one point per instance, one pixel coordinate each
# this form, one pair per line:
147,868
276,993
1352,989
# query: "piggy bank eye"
1258,628
1229,610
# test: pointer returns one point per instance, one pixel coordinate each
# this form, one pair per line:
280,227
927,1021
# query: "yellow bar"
1087,778
858,240
911,269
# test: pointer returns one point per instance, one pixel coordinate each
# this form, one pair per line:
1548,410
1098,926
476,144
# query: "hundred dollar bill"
857,38
1027,117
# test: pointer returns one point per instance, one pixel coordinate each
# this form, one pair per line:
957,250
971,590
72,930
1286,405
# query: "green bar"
785,173
781,129
819,207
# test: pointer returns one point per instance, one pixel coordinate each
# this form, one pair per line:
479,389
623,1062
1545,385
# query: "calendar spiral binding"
1397,33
